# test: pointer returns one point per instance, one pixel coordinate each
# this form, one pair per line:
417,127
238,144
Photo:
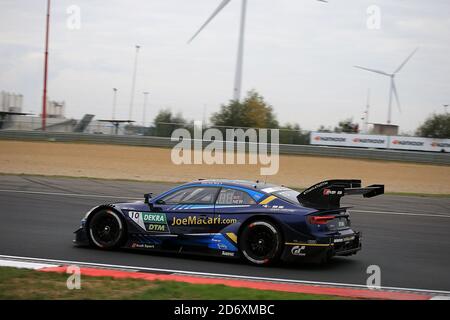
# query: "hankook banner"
349,140
379,141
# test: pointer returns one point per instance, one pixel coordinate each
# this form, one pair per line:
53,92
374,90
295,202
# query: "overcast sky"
299,55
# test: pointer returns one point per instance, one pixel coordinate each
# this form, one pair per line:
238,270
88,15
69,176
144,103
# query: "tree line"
255,112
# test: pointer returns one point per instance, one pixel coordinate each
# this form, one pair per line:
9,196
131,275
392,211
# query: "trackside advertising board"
349,140
420,144
378,141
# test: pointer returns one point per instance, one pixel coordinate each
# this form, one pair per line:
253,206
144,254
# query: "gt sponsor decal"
298,251
309,244
150,221
155,227
228,254
150,217
194,220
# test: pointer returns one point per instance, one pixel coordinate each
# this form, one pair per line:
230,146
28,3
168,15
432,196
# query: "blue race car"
260,222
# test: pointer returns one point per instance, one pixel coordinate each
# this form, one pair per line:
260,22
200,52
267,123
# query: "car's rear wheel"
106,229
261,243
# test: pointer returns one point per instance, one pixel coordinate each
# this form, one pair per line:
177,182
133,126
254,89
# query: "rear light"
320,219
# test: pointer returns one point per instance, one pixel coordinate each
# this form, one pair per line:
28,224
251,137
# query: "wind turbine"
240,55
393,88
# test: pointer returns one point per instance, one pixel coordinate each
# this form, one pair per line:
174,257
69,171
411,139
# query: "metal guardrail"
343,152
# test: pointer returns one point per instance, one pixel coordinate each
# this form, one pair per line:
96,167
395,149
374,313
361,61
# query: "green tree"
293,134
347,126
253,112
322,128
166,122
436,126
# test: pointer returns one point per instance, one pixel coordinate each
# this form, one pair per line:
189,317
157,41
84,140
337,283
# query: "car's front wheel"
261,242
106,229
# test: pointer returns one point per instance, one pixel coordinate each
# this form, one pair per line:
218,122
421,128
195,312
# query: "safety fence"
148,141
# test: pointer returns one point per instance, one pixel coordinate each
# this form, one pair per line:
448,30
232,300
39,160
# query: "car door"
233,205
188,211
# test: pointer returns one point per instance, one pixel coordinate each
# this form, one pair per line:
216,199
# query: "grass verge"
25,284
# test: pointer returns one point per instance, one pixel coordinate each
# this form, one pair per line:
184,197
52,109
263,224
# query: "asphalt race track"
408,237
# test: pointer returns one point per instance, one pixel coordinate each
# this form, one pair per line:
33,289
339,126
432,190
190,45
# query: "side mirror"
147,197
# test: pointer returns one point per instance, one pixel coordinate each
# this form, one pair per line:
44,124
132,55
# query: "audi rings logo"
298,251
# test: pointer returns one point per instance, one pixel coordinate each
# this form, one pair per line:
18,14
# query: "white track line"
221,275
25,265
443,215
440,298
402,213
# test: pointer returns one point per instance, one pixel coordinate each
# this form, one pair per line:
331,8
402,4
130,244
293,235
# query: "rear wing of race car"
328,194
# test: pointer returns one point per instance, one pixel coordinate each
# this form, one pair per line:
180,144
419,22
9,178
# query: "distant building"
385,129
56,109
11,102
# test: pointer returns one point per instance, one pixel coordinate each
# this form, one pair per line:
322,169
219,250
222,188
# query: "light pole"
44,95
144,111
133,82
366,117
114,103
204,116
445,108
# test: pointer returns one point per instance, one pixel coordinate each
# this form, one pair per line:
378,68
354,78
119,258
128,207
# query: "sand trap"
154,164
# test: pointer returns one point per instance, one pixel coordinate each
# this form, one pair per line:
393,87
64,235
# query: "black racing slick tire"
261,243
106,229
